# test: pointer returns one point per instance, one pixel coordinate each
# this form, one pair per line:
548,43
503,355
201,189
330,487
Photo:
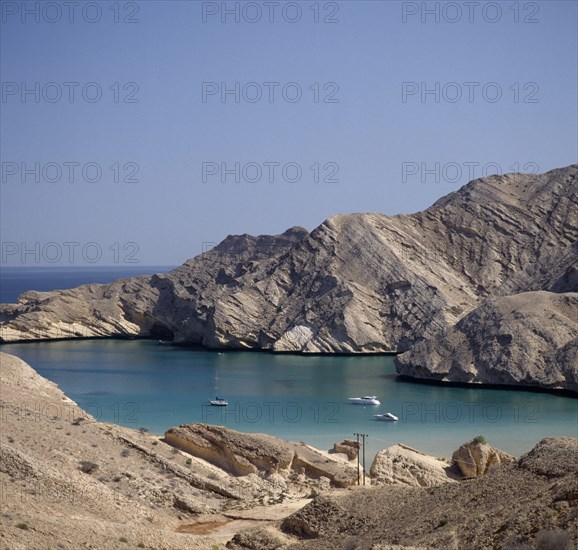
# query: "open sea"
15,280
139,383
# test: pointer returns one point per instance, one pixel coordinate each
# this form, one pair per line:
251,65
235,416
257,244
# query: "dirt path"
224,526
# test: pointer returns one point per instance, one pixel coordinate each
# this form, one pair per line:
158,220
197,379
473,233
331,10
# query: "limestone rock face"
529,338
475,459
402,465
555,271
348,447
358,283
242,454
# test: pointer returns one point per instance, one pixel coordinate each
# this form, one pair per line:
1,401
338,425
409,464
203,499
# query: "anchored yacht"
387,417
365,400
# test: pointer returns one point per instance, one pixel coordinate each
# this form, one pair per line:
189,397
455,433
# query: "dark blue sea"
15,280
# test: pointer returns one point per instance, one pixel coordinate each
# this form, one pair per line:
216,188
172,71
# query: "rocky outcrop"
526,339
358,283
476,459
555,271
519,505
258,539
348,447
540,459
241,454
402,465
321,517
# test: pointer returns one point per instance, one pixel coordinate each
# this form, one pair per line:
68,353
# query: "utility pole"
357,435
364,436
363,446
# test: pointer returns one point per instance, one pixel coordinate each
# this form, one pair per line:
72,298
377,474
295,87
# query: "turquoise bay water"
141,383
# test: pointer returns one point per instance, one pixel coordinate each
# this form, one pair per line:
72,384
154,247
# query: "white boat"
365,400
387,417
219,402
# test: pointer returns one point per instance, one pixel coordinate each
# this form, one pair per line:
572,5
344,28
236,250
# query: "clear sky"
141,130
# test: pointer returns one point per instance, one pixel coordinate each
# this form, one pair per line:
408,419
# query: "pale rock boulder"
347,447
242,454
475,459
402,465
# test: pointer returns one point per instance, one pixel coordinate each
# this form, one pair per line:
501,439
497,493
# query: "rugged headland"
481,288
69,481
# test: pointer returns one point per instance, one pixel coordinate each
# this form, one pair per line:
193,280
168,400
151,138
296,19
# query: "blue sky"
503,83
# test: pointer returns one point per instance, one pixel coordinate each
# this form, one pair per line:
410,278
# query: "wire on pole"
363,436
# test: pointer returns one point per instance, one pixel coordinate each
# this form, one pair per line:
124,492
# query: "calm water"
140,383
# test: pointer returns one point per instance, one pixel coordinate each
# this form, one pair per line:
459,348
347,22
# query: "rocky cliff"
528,338
357,283
402,465
242,454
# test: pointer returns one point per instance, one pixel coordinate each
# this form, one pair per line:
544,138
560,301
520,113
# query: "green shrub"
23,526
122,539
88,467
479,439
443,522
189,461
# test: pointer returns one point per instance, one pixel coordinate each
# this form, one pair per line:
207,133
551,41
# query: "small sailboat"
218,401
365,400
388,417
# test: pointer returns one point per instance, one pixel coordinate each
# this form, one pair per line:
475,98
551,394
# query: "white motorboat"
365,400
219,402
387,417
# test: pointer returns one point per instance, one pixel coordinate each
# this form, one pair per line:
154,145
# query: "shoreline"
431,434
201,347
400,377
